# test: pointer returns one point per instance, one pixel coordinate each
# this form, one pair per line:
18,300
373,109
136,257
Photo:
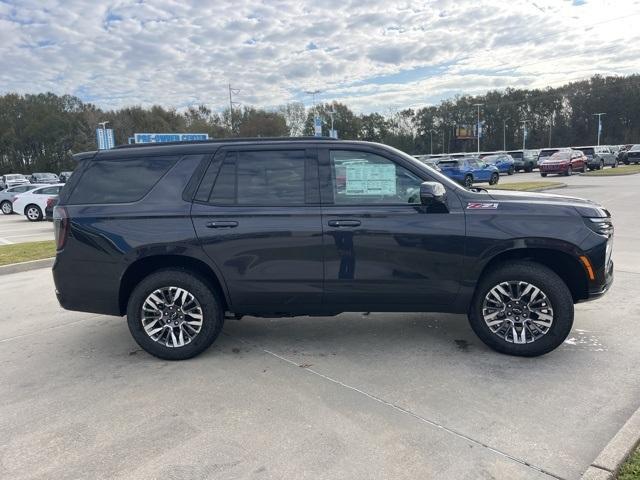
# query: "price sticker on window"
371,179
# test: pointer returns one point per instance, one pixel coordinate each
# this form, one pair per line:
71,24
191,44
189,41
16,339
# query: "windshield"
547,153
516,155
560,156
587,150
45,175
13,177
492,159
635,148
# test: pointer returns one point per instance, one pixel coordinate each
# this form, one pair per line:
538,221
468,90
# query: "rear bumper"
87,287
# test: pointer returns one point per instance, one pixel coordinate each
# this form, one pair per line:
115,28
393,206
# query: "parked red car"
564,163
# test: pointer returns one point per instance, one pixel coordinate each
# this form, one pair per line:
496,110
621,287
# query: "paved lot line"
404,411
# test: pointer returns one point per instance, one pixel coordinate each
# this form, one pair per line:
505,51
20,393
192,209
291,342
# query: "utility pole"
524,133
313,94
443,140
431,140
478,123
551,125
331,114
232,91
599,115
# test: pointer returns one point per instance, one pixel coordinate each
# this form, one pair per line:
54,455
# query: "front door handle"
344,223
222,224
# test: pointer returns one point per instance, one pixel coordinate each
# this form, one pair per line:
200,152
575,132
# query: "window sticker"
371,179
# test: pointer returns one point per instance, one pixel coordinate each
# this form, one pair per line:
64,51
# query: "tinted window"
120,180
267,177
20,189
362,178
561,156
587,151
224,190
49,191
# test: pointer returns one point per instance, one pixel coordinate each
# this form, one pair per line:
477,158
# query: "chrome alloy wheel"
172,316
517,312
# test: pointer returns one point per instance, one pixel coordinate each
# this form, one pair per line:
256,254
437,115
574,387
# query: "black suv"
180,236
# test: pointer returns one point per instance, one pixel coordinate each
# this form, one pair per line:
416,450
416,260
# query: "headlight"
600,225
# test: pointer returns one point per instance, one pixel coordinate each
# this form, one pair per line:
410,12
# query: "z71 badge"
481,206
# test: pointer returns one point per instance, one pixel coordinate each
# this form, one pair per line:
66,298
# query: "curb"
614,454
542,189
26,266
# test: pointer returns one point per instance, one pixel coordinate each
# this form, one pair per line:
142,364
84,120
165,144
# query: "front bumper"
596,292
560,168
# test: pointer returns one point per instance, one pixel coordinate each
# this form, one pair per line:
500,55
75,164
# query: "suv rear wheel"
468,181
522,308
174,315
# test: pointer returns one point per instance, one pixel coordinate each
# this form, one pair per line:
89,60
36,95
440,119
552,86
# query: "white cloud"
177,53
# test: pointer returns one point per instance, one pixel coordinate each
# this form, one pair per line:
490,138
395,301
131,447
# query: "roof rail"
226,140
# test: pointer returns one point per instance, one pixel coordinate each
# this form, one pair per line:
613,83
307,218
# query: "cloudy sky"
373,55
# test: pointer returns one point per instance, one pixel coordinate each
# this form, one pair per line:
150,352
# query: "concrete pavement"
17,229
354,396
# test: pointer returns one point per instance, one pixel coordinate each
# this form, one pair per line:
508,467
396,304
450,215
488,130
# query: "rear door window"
120,180
261,177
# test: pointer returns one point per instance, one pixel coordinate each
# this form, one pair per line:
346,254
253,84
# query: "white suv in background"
31,204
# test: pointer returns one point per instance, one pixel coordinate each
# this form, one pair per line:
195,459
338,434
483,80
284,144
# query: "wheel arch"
143,267
566,265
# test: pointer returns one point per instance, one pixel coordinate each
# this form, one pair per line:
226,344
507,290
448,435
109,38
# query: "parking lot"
354,396
17,229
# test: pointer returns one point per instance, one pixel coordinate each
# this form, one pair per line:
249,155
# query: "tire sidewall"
29,207
213,317
557,292
2,207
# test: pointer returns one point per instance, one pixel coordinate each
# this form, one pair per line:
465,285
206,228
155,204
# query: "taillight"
60,226
50,201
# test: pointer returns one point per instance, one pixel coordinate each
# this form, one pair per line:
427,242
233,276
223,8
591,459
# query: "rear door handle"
344,223
222,224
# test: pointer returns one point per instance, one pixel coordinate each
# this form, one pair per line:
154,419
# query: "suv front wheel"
522,308
174,315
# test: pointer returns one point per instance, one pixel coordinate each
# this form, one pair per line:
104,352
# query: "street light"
504,134
524,133
431,140
599,115
478,123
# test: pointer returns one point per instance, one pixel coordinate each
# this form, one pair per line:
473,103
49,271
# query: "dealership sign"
105,139
169,137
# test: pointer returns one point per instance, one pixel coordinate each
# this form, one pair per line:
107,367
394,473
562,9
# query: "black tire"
615,164
212,313
546,280
543,174
6,207
468,181
626,162
495,178
569,171
511,170
601,166
33,213
528,168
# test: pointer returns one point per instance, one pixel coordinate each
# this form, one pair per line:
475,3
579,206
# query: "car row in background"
631,155
29,200
563,162
40,178
469,170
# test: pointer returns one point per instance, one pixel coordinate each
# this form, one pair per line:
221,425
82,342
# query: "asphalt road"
17,229
354,396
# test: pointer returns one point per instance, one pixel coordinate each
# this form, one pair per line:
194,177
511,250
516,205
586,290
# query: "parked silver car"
599,157
6,196
11,180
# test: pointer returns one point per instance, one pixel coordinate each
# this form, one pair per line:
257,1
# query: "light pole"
524,133
599,115
504,134
431,141
478,123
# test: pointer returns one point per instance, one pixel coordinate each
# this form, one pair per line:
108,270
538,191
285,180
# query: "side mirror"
432,193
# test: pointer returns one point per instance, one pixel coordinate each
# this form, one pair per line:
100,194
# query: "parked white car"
7,196
31,204
12,180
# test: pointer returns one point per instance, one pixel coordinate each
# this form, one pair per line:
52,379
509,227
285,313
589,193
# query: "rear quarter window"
120,180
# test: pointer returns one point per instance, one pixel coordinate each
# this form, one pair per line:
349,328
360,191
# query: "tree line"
40,132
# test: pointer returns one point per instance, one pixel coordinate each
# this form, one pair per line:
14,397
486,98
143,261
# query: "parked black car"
599,157
179,236
632,155
524,160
